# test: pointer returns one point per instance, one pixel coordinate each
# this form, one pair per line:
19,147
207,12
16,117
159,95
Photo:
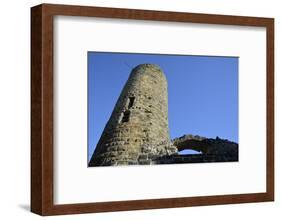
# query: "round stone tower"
137,131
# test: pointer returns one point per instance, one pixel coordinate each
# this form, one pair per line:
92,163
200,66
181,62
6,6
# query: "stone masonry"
137,131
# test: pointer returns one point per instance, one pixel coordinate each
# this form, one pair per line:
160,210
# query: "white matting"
75,183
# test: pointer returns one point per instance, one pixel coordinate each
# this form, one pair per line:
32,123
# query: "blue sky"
202,92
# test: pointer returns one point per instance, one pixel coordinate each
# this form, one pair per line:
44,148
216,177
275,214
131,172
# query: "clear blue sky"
202,92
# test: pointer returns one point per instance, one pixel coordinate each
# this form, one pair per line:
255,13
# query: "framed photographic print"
139,109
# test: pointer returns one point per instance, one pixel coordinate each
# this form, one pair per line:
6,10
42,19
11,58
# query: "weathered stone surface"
212,150
137,132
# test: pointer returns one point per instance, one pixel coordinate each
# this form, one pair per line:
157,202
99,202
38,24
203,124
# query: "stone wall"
137,130
211,150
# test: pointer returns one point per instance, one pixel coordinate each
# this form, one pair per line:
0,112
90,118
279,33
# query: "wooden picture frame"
42,105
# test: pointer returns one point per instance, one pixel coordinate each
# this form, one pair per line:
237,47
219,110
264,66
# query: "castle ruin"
137,131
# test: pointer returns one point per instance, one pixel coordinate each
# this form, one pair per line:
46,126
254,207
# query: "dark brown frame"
42,109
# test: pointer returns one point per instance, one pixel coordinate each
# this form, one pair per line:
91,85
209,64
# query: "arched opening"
194,146
189,152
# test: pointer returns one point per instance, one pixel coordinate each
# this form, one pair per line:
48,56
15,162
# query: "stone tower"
137,131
